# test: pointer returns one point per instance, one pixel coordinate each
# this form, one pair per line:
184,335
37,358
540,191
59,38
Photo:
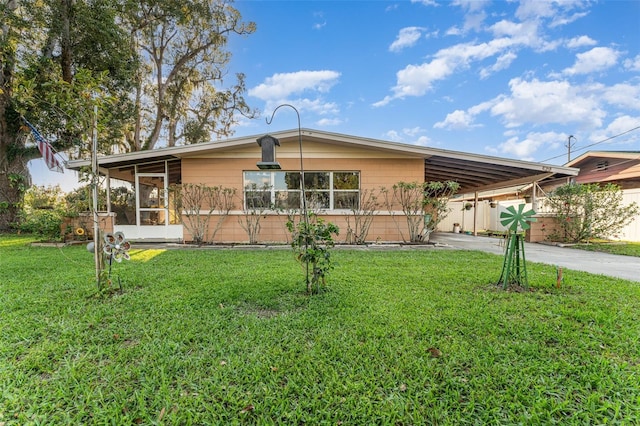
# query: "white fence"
487,217
631,232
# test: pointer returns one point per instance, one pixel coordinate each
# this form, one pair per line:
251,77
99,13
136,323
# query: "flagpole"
94,187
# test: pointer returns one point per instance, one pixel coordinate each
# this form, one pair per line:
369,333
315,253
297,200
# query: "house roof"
614,155
474,172
620,167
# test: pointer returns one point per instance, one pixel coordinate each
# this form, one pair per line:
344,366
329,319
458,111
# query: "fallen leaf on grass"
247,409
435,353
161,415
274,368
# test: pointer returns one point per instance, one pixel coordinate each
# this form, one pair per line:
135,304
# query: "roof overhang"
619,155
474,172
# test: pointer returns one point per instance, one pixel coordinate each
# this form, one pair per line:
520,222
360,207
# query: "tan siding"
376,170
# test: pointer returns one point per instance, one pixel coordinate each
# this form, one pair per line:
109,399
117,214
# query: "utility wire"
593,144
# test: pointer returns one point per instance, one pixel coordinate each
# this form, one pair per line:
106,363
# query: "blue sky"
506,78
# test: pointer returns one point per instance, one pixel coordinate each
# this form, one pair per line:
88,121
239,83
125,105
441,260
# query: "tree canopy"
155,68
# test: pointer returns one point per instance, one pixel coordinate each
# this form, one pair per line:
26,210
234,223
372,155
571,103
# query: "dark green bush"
43,223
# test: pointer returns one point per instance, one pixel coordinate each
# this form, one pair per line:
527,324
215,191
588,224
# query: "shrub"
424,205
42,211
195,205
586,211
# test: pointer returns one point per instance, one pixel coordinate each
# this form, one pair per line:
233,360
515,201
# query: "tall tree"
58,58
180,96
158,68
14,175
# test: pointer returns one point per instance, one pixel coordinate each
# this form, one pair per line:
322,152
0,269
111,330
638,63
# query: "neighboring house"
339,170
619,167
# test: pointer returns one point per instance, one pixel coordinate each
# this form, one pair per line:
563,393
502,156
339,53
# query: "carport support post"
534,196
475,215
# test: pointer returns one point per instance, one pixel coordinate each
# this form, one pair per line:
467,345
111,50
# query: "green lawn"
624,248
228,337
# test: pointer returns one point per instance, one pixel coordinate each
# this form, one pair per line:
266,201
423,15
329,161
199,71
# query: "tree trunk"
14,174
65,41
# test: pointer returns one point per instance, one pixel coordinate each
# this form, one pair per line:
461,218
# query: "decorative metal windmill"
116,247
514,268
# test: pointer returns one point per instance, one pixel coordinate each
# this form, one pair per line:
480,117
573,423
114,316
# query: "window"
281,190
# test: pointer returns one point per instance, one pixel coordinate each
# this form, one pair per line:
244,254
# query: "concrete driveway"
626,267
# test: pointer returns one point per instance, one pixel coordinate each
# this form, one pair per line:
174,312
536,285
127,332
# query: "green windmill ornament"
514,268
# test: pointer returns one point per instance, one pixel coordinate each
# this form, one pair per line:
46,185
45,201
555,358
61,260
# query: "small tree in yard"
196,203
423,205
586,211
312,240
257,200
362,215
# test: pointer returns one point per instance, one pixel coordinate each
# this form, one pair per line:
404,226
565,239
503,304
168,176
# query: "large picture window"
281,190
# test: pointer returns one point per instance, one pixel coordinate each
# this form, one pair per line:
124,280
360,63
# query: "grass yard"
228,337
624,248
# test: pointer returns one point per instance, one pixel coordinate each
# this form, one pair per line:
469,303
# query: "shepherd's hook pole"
304,197
94,188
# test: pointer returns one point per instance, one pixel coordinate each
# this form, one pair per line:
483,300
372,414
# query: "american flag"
48,154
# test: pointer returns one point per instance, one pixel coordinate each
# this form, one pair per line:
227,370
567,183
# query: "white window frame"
331,190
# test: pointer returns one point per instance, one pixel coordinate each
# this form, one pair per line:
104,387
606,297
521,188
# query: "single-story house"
339,169
618,167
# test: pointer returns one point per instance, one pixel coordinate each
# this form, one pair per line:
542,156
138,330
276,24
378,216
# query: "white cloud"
283,85
623,124
393,136
581,41
413,131
535,9
408,133
322,22
526,148
559,13
422,141
632,64
326,122
547,102
503,62
453,31
426,2
596,59
623,95
407,37
316,106
474,13
566,19
458,119
382,102
416,80
620,126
